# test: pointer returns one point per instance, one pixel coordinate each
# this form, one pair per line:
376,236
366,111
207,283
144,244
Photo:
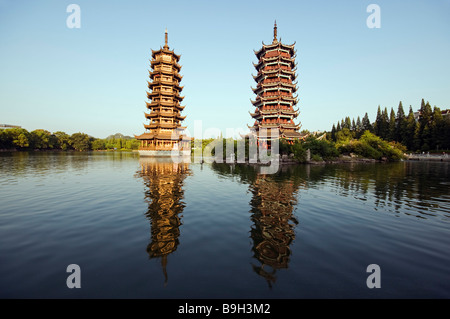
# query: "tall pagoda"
164,133
276,101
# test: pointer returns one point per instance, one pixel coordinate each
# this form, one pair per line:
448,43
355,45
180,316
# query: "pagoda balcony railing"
275,122
269,124
160,103
162,125
261,99
278,80
276,67
162,113
276,53
164,92
163,68
157,71
159,148
270,73
268,111
162,60
276,93
275,109
157,80
283,57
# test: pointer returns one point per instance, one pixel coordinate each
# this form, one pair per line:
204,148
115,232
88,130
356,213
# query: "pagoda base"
163,153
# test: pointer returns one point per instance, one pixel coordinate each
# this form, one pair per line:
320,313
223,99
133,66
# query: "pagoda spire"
166,46
275,32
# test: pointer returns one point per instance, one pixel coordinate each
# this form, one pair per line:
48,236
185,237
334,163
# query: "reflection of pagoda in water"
274,222
164,181
274,197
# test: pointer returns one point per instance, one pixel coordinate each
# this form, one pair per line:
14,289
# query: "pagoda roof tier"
164,114
165,51
291,135
274,46
276,72
280,58
159,61
262,86
163,71
163,125
275,98
159,136
279,125
290,126
158,82
152,95
267,125
155,104
280,112
288,129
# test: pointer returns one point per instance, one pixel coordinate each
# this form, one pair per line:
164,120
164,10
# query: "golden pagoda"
164,133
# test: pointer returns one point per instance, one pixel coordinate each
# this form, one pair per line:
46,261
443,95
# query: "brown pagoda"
164,133
275,104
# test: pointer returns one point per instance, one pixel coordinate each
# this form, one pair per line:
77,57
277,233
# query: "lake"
148,228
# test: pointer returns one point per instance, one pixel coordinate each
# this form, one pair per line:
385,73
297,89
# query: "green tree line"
21,139
429,132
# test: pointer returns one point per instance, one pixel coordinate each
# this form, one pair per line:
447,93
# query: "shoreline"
284,160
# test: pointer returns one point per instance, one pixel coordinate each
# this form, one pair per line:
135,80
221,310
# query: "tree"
378,122
333,133
348,123
343,136
40,139
4,139
424,134
22,140
410,132
392,128
425,138
365,123
80,141
446,133
132,144
437,129
400,132
417,142
19,137
63,140
98,144
384,129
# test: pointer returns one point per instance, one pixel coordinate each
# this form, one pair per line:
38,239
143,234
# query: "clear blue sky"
93,79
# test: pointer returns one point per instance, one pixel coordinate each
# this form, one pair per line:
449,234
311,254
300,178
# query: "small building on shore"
6,126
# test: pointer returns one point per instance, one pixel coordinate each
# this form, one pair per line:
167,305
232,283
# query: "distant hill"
119,135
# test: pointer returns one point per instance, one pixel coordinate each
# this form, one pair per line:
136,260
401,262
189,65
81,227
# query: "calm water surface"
141,228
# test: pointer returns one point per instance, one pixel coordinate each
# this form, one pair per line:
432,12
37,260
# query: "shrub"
372,146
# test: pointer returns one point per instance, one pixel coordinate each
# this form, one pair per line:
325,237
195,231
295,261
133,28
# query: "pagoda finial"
275,32
166,46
